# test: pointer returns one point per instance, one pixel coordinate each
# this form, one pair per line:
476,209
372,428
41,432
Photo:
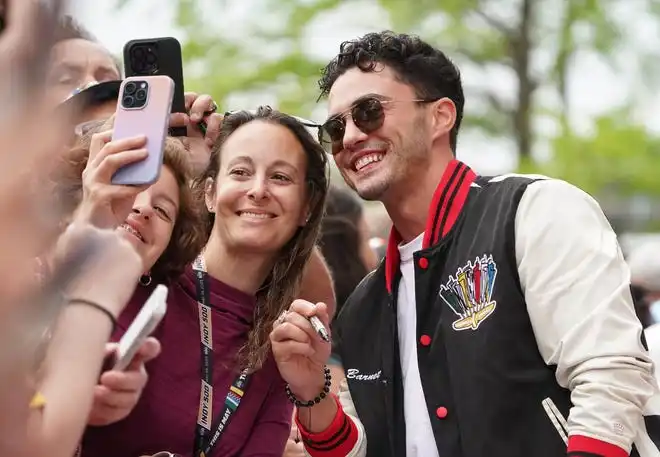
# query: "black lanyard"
205,440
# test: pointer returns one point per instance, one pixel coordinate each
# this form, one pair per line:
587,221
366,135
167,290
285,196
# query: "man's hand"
119,391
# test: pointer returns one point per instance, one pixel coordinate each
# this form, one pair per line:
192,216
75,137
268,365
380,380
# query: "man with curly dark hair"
501,322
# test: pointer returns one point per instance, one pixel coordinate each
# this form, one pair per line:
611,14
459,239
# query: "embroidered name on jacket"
354,373
469,292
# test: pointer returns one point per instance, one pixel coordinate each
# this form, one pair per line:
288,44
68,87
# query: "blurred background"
563,88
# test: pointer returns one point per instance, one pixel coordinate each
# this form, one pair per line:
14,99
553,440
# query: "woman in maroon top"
264,190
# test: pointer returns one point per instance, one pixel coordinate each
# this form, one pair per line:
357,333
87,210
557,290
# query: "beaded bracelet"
318,398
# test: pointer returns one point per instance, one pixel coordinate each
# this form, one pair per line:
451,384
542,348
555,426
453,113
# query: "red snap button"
425,340
423,263
441,412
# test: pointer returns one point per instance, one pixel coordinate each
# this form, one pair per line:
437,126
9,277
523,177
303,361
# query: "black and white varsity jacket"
528,343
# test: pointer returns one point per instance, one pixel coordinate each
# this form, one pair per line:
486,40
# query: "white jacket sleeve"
346,401
576,285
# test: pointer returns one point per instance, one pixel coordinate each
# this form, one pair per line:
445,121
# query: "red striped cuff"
579,446
338,440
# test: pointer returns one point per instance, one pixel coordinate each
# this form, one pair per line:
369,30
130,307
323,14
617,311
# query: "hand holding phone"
142,326
143,109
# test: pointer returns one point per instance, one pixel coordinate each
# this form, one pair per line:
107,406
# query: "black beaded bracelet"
318,398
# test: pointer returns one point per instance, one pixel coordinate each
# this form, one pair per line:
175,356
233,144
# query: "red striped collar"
448,200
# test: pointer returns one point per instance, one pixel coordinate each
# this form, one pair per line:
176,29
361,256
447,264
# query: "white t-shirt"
420,441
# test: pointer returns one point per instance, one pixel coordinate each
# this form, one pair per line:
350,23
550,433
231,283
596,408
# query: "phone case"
151,120
169,62
143,325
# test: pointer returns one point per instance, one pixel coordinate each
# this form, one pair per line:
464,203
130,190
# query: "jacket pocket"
558,421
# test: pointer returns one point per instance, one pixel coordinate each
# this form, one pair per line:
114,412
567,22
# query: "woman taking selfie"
264,190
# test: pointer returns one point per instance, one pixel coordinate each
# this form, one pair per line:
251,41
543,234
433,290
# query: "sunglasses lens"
368,115
332,135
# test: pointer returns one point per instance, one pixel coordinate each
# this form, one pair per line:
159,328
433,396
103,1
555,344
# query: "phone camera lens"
141,95
130,88
128,101
144,58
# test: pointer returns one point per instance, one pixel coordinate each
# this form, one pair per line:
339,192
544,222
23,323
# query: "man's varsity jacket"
528,344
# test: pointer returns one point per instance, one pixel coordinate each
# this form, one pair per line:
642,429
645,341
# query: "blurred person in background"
644,264
501,322
83,72
268,204
381,224
78,61
345,242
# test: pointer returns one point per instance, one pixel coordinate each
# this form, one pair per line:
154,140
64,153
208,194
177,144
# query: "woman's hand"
107,205
299,351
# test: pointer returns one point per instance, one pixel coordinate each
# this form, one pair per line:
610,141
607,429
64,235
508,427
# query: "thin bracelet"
82,301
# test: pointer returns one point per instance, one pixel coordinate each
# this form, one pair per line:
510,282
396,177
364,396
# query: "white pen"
320,328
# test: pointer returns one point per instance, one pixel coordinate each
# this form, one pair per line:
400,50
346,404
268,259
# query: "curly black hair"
427,69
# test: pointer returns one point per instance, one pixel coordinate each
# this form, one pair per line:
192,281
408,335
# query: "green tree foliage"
618,158
268,56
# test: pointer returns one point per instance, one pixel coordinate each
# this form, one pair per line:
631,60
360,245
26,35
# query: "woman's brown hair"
188,236
282,284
